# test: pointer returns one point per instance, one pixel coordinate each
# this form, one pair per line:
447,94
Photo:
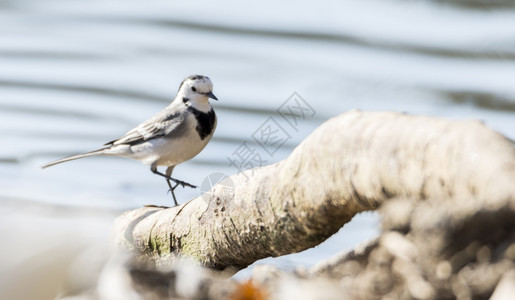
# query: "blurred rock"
457,249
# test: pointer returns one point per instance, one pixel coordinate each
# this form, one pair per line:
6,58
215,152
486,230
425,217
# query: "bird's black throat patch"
205,121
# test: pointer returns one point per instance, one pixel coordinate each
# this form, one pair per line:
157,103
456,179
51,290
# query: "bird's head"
196,89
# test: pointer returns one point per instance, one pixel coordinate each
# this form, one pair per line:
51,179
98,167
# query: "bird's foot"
184,183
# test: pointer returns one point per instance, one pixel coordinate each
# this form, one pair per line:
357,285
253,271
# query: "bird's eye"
193,89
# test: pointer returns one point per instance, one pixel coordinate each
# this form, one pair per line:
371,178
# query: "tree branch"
351,163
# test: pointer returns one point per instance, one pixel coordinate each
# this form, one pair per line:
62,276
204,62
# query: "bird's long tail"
74,157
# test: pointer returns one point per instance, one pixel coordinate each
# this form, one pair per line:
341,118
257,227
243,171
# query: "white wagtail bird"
174,135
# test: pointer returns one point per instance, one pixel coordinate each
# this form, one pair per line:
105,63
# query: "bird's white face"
197,89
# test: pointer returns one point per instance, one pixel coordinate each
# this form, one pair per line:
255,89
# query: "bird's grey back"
162,124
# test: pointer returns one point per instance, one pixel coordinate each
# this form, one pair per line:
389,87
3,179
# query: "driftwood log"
352,163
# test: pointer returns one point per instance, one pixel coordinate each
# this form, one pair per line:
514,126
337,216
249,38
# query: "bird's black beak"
212,96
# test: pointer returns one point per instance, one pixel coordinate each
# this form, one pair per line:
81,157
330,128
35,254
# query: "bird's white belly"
169,152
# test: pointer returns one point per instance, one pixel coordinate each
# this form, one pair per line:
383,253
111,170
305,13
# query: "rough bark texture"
351,163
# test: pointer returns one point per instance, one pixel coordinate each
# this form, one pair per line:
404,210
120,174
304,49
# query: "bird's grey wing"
158,126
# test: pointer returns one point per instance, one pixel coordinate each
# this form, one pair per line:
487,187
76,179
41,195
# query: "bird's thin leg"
168,174
183,183
168,177
171,190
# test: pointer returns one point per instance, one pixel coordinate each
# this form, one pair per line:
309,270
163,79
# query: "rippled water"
75,74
